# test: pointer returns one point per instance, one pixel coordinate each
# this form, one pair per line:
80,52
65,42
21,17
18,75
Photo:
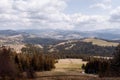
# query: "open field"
65,67
68,69
69,64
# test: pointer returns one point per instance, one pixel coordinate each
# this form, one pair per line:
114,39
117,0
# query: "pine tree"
116,62
7,65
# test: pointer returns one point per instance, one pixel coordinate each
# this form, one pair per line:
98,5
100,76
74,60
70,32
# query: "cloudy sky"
60,14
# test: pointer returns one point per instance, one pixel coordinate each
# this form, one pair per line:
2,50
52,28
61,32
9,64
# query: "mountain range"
108,34
55,40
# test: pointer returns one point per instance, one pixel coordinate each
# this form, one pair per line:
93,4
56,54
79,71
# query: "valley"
66,54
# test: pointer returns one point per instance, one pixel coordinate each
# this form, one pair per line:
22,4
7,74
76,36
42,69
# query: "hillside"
80,47
17,40
100,42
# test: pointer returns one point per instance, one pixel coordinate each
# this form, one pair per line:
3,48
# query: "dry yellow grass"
100,42
63,72
65,67
72,64
16,47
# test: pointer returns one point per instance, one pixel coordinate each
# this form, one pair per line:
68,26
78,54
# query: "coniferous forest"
105,67
12,65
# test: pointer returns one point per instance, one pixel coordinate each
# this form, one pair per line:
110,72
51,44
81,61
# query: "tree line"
105,67
12,65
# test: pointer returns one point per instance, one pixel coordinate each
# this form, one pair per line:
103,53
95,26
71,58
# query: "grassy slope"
100,42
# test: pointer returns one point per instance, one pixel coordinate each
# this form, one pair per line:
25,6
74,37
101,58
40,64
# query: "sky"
82,15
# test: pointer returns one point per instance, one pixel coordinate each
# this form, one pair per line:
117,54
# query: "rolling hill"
100,42
81,47
64,44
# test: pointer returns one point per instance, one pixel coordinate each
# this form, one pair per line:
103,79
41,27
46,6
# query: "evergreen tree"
7,66
115,67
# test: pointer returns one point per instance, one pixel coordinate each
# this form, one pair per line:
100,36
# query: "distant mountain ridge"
59,41
66,35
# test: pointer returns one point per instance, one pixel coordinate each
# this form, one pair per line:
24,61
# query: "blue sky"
83,6
80,15
76,6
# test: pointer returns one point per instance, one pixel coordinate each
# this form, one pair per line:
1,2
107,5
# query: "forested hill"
92,46
79,47
41,41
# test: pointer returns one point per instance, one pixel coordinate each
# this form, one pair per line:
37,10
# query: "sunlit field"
69,64
65,68
68,69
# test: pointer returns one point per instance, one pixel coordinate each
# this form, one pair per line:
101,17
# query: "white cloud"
101,5
26,14
104,4
89,22
107,1
23,13
115,15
